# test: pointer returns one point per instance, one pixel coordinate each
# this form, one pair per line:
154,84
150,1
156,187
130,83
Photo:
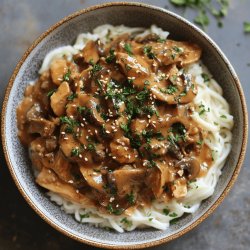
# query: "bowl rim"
214,205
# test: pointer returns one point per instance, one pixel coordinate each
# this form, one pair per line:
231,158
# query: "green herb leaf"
246,27
111,56
72,97
66,77
127,222
130,198
75,152
147,50
51,92
128,49
166,211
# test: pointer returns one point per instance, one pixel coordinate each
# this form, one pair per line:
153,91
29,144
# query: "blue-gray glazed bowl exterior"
64,33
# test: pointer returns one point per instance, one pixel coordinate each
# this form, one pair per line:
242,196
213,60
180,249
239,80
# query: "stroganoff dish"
126,128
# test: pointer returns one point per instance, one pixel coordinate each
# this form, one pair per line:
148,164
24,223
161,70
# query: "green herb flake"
173,214
147,50
111,56
75,152
202,19
246,27
166,211
205,77
83,216
218,9
96,67
223,116
199,142
66,77
128,49
174,221
51,92
125,127
203,110
72,97
127,222
91,147
170,90
130,198
161,40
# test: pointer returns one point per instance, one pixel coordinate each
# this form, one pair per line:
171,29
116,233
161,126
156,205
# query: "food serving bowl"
64,32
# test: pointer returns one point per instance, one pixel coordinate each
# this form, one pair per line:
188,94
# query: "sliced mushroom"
90,52
191,167
94,179
41,126
179,188
176,52
135,68
22,110
62,167
138,125
39,155
58,69
89,104
128,179
121,150
59,99
159,147
49,180
156,178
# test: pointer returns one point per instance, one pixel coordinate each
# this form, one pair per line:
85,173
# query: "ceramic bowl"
64,32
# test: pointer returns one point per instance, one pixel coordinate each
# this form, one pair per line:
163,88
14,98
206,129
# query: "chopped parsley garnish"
127,222
72,97
125,128
130,198
246,27
111,56
51,92
199,142
205,77
177,49
71,123
83,216
223,116
96,67
128,49
171,89
161,40
174,221
143,95
66,77
91,147
147,50
173,214
115,211
203,110
166,211
218,10
151,163
75,152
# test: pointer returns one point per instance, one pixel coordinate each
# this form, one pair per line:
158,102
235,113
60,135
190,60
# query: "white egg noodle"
218,122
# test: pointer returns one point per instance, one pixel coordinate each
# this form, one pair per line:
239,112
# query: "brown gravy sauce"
113,128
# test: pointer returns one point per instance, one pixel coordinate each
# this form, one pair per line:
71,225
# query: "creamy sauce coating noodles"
126,128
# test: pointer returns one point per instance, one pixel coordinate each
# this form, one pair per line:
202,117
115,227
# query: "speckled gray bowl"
64,32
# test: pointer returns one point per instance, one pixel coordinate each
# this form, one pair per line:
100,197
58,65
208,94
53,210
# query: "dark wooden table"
20,228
